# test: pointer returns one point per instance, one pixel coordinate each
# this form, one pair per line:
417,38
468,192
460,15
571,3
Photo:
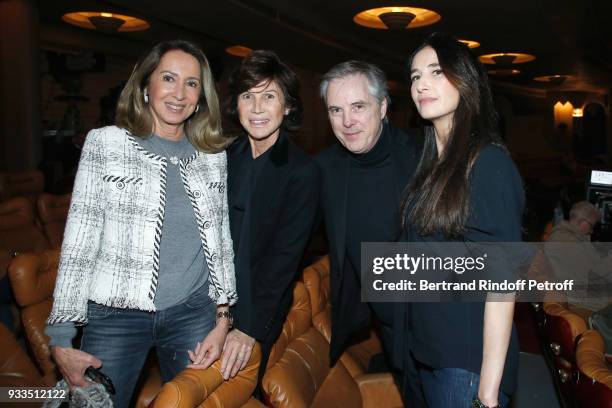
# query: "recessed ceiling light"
553,79
105,21
238,50
470,43
506,58
396,18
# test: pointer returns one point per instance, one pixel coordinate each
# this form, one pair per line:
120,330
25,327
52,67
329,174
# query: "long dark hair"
437,199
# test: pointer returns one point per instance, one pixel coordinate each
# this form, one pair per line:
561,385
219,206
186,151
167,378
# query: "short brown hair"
264,65
202,128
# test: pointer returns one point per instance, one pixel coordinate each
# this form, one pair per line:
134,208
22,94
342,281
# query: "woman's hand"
72,363
236,353
208,351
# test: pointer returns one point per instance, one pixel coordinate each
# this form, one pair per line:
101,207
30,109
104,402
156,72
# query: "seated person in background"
580,262
591,272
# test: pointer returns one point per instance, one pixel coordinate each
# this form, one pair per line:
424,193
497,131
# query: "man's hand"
208,351
236,353
72,363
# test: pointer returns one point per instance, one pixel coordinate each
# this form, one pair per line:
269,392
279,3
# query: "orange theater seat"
298,373
32,277
562,327
28,184
53,211
357,357
18,231
207,388
594,382
316,279
561,330
16,368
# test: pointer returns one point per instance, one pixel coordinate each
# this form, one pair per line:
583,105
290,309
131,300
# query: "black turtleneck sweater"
373,207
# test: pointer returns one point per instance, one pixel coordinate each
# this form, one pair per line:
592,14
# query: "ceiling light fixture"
506,58
396,18
553,79
238,51
470,43
105,21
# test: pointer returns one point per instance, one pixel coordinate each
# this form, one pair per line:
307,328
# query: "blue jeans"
122,338
452,387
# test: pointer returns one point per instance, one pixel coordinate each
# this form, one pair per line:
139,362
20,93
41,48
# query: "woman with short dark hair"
273,196
466,189
147,258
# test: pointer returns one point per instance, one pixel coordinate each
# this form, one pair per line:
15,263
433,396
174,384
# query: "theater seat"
356,358
561,329
149,383
53,211
594,382
16,368
32,277
207,388
28,184
316,281
298,373
18,230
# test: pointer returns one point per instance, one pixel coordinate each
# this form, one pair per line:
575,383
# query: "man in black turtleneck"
363,180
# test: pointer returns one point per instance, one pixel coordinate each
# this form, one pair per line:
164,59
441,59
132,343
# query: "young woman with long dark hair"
466,189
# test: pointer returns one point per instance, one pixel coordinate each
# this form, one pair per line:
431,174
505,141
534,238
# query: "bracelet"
477,403
226,314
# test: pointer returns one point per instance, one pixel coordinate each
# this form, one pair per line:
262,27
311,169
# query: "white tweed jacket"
110,252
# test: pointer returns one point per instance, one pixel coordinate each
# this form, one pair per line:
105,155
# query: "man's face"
587,224
355,115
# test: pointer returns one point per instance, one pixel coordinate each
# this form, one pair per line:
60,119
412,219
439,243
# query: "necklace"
173,159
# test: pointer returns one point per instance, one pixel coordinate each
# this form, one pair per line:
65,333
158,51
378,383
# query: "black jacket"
282,209
349,314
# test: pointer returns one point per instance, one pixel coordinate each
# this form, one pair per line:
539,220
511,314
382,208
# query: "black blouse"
449,335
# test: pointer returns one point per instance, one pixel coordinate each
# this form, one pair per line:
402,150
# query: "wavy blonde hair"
202,128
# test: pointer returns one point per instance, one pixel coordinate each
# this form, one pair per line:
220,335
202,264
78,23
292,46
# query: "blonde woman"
147,258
